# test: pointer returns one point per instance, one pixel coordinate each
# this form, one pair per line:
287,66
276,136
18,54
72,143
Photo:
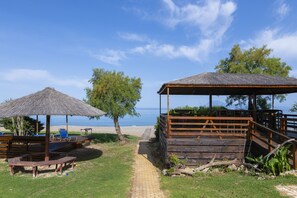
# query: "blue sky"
57,43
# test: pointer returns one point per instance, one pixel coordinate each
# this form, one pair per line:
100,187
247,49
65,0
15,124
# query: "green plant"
174,160
157,128
276,164
21,125
195,111
115,94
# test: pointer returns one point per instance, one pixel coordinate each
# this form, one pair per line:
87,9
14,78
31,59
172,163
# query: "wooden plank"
210,124
206,149
209,155
210,118
207,129
204,141
208,134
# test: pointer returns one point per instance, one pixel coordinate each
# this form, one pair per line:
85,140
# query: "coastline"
127,130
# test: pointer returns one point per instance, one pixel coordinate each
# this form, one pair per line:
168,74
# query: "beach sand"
129,130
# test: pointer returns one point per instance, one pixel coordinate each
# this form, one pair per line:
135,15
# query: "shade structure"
47,102
230,84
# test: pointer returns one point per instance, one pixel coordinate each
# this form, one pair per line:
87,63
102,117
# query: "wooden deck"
199,139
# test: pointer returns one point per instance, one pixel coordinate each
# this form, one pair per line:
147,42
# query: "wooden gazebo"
199,138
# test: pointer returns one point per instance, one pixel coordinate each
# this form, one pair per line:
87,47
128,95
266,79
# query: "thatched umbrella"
47,102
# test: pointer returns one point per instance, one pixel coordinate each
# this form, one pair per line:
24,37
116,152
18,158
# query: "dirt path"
146,180
290,190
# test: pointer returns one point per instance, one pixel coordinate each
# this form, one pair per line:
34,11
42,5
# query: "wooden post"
255,107
210,105
168,109
250,137
67,123
272,102
36,124
294,152
270,141
160,104
47,137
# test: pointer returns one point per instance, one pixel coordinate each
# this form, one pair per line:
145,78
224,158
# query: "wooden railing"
288,125
269,139
192,126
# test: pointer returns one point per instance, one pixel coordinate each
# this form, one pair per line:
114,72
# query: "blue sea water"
148,117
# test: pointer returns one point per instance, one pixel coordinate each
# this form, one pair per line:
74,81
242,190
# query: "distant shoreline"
127,130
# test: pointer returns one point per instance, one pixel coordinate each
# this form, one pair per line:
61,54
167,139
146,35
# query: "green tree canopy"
114,93
253,61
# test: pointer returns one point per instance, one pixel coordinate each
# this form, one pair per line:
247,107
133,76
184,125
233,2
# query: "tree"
21,125
294,108
114,93
253,61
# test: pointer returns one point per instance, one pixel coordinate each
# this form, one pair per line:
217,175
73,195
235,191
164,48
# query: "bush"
195,111
276,164
29,125
157,128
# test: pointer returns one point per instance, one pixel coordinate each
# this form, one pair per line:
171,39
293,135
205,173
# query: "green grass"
104,173
224,185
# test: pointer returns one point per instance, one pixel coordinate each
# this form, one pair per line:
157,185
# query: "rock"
216,170
164,171
232,167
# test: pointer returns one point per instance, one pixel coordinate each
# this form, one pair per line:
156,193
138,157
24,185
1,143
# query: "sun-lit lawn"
223,185
105,172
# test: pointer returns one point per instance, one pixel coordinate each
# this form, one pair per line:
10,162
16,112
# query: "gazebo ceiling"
230,84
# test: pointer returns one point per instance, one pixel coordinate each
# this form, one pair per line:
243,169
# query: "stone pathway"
146,178
290,191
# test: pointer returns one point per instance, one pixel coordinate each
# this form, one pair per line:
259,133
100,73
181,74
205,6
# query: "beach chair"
63,135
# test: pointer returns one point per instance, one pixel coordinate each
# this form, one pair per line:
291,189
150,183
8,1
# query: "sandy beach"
129,130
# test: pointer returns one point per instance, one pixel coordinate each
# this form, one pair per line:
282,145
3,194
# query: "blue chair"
63,134
1,133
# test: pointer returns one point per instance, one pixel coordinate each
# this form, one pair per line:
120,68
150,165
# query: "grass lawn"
104,173
224,185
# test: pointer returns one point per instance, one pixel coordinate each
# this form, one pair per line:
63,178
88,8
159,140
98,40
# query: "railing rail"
194,126
270,139
288,125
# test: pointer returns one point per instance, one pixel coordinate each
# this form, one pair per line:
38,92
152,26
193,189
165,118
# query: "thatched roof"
47,102
230,84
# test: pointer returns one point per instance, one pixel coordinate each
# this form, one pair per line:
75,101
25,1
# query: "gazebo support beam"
67,122
168,109
272,102
47,137
160,104
210,104
255,107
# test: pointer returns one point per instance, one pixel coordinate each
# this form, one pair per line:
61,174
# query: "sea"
147,117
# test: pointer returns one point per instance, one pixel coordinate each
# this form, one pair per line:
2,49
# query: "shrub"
28,125
276,164
157,128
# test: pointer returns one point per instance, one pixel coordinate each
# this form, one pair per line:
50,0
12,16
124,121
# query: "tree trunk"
14,126
118,129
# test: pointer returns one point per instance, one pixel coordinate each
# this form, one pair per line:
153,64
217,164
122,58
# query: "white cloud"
195,53
112,57
282,9
281,43
133,37
42,76
212,18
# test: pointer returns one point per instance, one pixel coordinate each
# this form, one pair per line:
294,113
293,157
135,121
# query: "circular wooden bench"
19,162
